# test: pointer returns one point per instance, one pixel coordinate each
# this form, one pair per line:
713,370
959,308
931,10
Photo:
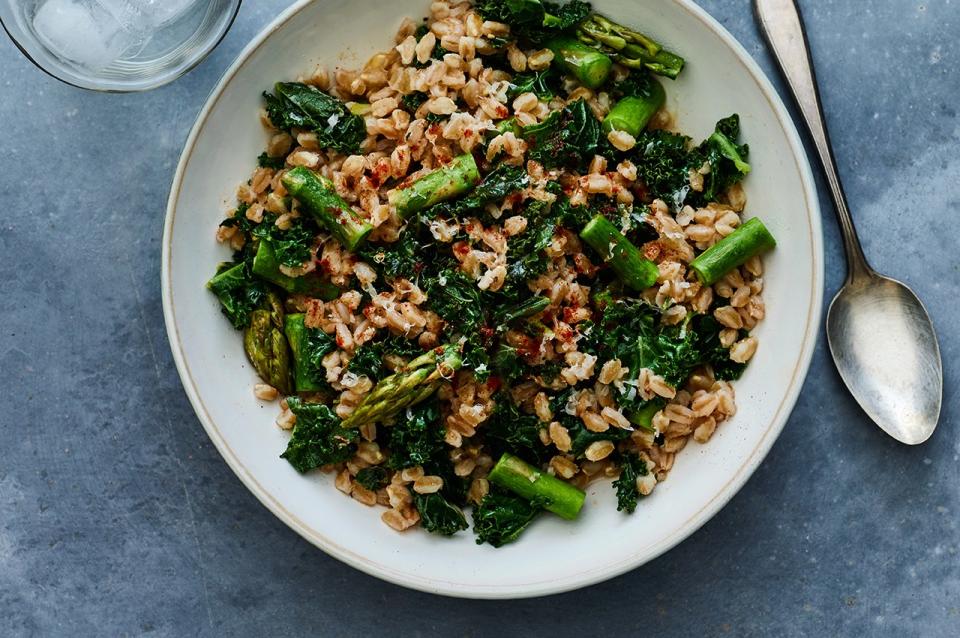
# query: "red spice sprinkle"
494,384
486,333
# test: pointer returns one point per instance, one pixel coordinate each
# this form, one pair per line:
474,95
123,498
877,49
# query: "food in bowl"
485,270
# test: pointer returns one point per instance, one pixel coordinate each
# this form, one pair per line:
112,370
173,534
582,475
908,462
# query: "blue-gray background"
118,517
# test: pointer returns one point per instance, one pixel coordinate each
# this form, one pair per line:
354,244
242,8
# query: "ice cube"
82,32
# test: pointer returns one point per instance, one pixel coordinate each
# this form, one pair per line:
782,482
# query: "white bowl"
553,555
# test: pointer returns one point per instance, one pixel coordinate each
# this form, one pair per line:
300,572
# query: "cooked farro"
476,273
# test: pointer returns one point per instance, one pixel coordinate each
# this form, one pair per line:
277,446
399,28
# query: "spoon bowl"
885,348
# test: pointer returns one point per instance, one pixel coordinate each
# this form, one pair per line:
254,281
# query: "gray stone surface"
117,516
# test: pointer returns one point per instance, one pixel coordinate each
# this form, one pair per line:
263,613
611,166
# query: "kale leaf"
368,358
315,346
509,430
456,298
404,258
318,439
413,101
567,138
501,517
239,292
728,160
438,515
664,162
631,468
497,185
296,105
373,478
534,20
715,353
291,247
265,161
416,437
545,84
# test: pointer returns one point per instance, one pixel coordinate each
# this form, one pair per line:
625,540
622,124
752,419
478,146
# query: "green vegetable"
373,478
265,161
267,266
526,481
438,516
296,105
291,247
589,66
534,20
631,468
643,417
626,259
501,517
239,292
504,180
568,137
368,358
628,47
528,308
319,198
413,383
664,163
308,346
266,345
413,101
318,437
416,437
545,84
510,431
447,182
752,238
635,109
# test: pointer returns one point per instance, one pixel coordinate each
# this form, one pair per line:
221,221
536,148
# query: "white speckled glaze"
553,555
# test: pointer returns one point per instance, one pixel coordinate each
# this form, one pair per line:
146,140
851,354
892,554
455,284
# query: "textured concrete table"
118,517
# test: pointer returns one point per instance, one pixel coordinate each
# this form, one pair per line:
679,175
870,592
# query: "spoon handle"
782,26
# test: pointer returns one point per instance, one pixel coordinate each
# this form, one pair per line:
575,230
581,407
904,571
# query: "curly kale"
664,161
501,517
509,430
545,84
568,137
534,20
715,353
315,346
318,439
373,478
504,180
728,160
265,161
291,247
438,515
368,358
296,105
631,468
239,292
416,437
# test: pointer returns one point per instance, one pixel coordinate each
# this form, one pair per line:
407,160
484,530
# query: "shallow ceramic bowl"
553,555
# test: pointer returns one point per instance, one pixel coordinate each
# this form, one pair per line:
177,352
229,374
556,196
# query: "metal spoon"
880,335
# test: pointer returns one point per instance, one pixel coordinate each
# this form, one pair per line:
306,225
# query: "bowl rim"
539,588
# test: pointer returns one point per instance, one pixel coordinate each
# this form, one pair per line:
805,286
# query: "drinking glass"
117,45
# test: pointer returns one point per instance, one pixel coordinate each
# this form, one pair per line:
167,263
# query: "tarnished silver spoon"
880,335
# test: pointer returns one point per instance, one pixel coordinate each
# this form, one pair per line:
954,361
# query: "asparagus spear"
633,112
626,260
454,179
411,384
266,266
628,47
551,493
587,64
318,197
266,346
733,250
295,330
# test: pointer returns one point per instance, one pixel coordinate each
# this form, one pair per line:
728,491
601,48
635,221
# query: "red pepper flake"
494,383
461,249
325,265
486,333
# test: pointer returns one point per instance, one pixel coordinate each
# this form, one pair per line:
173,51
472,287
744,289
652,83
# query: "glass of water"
117,45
